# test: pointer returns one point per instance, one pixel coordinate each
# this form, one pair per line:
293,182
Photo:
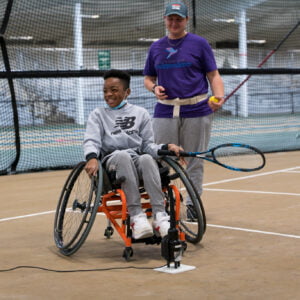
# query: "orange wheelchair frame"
117,215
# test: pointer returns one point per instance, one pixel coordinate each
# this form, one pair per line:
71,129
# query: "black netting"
55,52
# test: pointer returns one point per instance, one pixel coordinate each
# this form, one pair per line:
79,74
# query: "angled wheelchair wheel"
77,208
192,214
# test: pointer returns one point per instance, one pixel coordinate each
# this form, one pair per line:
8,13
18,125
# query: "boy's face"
114,91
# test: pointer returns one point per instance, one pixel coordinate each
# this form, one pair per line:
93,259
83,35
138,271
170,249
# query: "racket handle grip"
166,153
171,153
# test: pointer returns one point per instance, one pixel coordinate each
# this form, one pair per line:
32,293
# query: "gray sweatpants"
135,167
192,134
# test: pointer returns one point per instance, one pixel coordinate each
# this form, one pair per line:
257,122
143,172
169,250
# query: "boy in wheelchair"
121,135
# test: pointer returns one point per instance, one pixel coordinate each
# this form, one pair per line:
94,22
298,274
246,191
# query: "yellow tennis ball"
213,99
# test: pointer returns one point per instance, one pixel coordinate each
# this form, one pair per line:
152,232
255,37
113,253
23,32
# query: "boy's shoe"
161,223
140,226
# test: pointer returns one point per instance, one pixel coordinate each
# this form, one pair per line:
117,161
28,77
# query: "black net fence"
54,54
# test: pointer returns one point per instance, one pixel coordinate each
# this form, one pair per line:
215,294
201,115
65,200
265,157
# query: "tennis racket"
232,156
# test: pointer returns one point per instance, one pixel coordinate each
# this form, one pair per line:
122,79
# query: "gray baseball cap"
176,8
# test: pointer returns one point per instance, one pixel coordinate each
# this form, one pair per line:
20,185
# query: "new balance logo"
124,124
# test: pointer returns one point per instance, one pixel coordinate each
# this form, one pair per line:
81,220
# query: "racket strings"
239,157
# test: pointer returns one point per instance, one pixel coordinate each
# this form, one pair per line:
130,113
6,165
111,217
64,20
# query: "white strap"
177,102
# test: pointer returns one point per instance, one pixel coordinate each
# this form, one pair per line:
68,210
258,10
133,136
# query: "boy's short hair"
122,75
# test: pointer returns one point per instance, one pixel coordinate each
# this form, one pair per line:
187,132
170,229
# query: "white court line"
28,216
210,225
256,231
251,176
254,192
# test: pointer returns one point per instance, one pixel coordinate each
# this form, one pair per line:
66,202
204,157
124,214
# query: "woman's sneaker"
161,223
140,226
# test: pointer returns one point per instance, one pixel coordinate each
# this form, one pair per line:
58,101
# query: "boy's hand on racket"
159,92
215,102
177,149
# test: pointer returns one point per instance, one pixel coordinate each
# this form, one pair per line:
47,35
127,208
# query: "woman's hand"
159,92
215,102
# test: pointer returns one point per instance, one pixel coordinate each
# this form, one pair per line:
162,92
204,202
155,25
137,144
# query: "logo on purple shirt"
171,51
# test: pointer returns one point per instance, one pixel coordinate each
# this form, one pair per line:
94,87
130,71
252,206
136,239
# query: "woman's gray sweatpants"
134,168
192,134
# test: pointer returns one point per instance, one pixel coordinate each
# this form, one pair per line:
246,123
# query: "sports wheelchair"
82,197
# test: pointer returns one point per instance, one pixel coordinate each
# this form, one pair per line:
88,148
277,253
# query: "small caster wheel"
108,232
127,253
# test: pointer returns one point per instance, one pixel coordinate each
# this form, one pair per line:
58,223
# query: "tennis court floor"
250,249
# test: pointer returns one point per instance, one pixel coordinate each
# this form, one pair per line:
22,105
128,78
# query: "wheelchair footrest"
148,241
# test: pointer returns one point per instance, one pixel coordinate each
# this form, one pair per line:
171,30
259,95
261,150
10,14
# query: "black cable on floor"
78,270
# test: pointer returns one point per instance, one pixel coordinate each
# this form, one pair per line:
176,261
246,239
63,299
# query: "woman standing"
179,69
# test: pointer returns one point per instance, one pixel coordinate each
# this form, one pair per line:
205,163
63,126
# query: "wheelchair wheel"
77,209
192,214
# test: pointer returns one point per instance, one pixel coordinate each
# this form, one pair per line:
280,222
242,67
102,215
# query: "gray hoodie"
110,130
